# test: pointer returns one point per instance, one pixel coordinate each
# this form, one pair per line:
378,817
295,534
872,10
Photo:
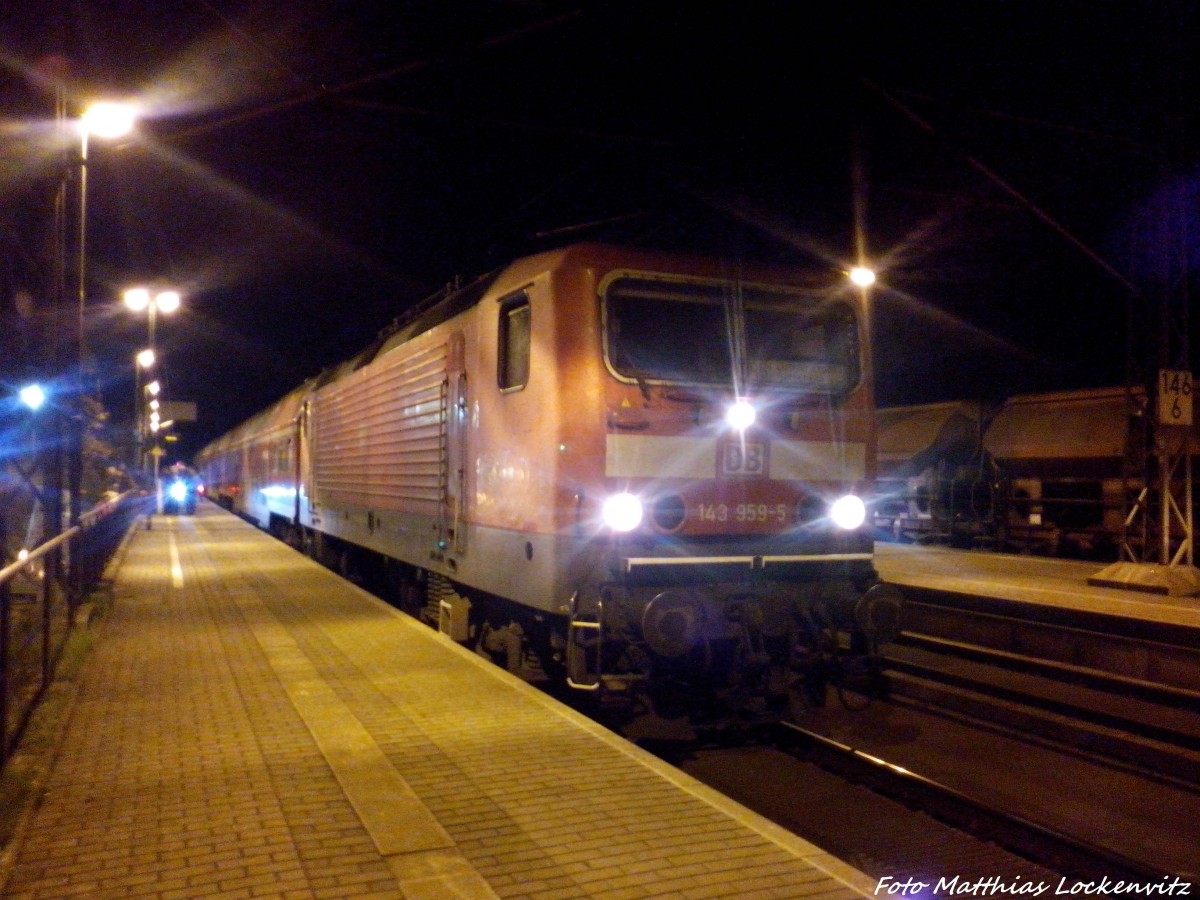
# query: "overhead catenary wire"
323,92
1008,188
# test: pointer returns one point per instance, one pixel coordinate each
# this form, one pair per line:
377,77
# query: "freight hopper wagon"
934,482
639,474
1053,473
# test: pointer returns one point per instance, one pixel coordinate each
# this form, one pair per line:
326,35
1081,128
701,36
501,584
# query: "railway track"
1127,692
884,837
1036,741
890,820
1069,856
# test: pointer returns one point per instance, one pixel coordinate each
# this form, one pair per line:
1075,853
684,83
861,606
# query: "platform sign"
1174,397
178,410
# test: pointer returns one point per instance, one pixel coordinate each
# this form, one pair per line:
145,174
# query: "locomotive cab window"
514,337
691,332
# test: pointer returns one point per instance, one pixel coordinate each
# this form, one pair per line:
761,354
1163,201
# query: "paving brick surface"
251,726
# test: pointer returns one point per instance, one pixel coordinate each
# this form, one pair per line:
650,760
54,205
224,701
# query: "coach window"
514,343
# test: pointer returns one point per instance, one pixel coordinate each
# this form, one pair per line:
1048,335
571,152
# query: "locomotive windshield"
727,335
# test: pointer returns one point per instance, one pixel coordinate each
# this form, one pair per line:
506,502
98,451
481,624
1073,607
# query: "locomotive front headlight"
848,512
740,415
177,491
622,512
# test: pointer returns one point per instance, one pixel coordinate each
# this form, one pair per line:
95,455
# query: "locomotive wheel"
504,646
292,536
809,690
349,565
404,590
856,678
672,623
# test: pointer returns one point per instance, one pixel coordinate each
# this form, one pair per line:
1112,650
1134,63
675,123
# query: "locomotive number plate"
742,513
743,458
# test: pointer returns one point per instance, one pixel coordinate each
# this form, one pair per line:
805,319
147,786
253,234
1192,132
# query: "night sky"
307,169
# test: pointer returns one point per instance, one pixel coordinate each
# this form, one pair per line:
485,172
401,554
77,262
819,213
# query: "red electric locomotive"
620,468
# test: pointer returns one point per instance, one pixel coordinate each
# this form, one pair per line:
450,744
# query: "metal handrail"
87,520
25,675
15,569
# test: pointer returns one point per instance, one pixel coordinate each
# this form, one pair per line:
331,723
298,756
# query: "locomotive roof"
457,297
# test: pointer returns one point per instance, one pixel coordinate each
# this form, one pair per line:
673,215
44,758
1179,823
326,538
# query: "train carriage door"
303,461
455,408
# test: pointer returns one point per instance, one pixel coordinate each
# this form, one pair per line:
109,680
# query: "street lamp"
862,276
143,360
104,120
108,120
140,298
33,396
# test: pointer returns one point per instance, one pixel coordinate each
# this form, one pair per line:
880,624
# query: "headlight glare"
177,491
622,512
848,512
740,415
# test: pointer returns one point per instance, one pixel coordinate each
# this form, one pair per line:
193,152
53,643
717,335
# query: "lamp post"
141,299
105,120
143,360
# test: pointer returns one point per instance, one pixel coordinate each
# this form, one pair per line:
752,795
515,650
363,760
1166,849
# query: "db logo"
744,458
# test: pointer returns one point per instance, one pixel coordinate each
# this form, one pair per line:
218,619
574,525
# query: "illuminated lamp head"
740,415
109,120
622,512
33,396
167,301
862,276
848,512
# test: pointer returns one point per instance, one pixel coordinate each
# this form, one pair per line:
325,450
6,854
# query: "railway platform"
1033,580
249,725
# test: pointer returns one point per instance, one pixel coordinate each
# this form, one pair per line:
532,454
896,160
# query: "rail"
36,622
1065,854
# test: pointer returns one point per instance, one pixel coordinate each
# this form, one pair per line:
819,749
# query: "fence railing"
39,595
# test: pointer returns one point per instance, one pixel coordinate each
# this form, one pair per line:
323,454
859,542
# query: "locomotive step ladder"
585,646
585,653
